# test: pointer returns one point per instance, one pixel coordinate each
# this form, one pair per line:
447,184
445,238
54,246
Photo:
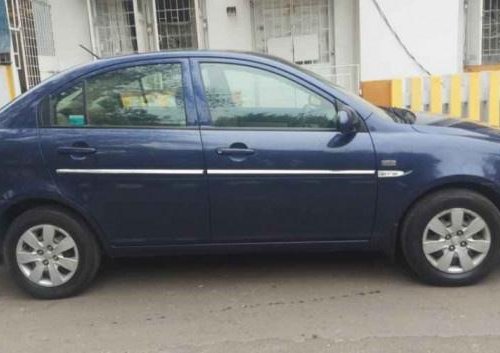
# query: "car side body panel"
429,157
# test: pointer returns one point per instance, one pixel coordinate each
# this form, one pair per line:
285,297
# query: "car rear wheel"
51,253
451,237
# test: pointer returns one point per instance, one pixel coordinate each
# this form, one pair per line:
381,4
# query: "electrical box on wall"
231,11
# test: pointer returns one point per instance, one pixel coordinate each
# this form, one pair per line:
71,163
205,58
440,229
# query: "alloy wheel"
47,255
456,240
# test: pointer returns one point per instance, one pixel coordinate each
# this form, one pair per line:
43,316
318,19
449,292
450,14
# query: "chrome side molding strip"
217,171
287,172
132,171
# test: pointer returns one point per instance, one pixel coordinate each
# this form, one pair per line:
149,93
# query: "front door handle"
74,150
224,151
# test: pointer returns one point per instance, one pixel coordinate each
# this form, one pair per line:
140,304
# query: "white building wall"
229,32
431,29
71,28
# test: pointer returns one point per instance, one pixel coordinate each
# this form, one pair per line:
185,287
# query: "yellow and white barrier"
474,95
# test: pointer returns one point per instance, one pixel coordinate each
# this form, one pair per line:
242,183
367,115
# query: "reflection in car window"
148,95
68,105
241,96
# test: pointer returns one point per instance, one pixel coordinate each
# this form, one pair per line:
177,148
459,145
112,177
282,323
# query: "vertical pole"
91,29
416,94
10,81
397,93
474,96
436,104
494,99
155,27
456,96
198,15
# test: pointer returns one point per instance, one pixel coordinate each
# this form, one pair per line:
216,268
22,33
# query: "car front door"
278,168
124,144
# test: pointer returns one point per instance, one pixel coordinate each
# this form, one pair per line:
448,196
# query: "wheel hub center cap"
455,240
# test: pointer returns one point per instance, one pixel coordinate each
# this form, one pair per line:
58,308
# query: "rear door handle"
223,151
66,150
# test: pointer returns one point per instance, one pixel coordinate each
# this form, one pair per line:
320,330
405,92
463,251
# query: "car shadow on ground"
252,267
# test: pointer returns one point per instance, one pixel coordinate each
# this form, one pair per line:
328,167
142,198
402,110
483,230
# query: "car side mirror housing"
348,121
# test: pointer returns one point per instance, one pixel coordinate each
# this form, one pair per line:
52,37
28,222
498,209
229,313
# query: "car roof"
172,54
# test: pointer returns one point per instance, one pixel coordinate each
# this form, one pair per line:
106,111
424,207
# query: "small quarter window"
68,107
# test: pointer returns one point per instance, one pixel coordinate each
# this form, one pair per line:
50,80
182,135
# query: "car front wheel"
51,253
451,237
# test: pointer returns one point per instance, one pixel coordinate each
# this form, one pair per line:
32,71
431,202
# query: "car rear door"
124,145
278,168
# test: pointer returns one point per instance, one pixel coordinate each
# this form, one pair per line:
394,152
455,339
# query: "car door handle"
224,151
76,150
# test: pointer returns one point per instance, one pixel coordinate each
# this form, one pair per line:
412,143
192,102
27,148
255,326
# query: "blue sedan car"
198,152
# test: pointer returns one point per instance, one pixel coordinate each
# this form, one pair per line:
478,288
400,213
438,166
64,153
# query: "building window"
42,17
299,31
24,42
491,32
114,22
176,24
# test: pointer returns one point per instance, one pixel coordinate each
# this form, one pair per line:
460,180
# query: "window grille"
176,24
114,22
293,19
491,32
24,42
43,28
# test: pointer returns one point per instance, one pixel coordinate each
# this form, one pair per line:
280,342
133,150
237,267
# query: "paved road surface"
254,303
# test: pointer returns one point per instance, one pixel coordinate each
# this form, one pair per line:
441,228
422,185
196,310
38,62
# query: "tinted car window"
69,107
242,96
149,95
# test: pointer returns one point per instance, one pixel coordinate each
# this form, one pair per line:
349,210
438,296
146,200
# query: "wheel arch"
13,210
479,186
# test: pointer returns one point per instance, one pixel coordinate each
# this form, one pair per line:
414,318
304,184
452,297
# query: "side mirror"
348,121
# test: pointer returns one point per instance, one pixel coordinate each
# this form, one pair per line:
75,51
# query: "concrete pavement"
255,303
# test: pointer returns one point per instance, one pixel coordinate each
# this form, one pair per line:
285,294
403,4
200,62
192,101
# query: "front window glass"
241,96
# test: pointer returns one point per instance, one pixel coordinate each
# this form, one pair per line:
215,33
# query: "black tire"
85,240
422,213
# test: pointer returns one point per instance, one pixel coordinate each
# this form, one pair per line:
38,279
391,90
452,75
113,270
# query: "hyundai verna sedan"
197,152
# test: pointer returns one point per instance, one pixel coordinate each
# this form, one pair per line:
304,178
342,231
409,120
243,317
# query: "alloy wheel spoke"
55,276
48,233
444,262
68,263
433,246
24,257
37,272
465,260
481,246
457,219
474,227
31,239
438,227
65,245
